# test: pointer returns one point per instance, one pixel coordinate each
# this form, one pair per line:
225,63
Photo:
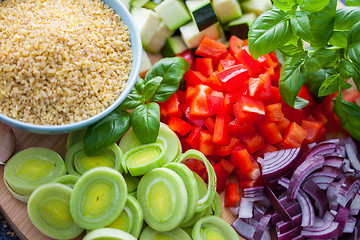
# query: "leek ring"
176,234
108,234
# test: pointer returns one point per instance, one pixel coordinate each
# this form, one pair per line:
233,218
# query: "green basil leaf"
330,85
353,52
172,71
344,84
106,131
322,58
346,69
145,120
339,39
354,34
346,18
268,32
315,79
349,115
300,103
352,3
150,87
300,24
322,24
313,5
285,5
290,49
356,76
291,80
134,98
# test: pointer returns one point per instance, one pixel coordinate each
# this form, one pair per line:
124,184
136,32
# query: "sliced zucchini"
138,3
48,209
176,234
173,45
143,159
98,198
31,168
212,227
158,40
166,137
68,180
108,234
227,10
131,218
174,13
192,36
77,162
202,13
163,197
240,27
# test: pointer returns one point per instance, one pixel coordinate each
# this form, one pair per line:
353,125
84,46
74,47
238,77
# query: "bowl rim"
136,47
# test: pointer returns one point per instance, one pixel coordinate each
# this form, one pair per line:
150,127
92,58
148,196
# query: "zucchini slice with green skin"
213,228
166,137
31,168
163,197
108,234
131,218
77,162
75,137
49,211
68,180
191,187
98,198
176,234
143,159
205,201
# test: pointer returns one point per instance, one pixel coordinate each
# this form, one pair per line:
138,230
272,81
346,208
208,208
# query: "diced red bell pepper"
216,101
260,87
179,125
188,55
221,132
253,142
227,165
275,96
294,115
294,136
172,106
195,120
283,125
313,130
236,94
252,105
267,149
233,77
248,61
270,132
246,167
193,78
318,114
193,138
211,48
240,128
235,45
273,112
205,66
265,61
199,105
251,183
210,124
226,150
220,177
232,194
243,116
197,167
225,64
205,145
214,82
304,93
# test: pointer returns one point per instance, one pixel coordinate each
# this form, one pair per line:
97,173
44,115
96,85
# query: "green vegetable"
77,162
68,180
131,182
98,198
333,56
176,234
143,159
75,137
49,211
108,234
31,168
161,81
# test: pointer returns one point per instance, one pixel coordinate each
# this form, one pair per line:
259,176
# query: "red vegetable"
232,195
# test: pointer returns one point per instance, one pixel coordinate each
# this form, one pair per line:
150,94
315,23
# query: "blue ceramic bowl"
136,47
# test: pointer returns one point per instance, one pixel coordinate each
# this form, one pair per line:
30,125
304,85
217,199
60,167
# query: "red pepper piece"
193,139
225,64
251,105
199,105
188,55
193,78
172,106
313,130
260,87
211,48
216,101
233,77
220,177
232,194
179,125
226,150
253,142
294,136
205,144
227,165
248,61
240,128
243,116
210,124
214,82
221,132
246,167
235,45
204,65
273,112
270,132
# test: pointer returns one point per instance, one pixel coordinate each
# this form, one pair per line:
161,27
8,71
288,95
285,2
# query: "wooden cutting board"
14,211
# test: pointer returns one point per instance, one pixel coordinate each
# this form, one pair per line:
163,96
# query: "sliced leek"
176,234
131,182
131,218
213,228
98,198
31,168
216,206
108,234
68,180
75,137
166,137
163,197
49,211
77,162
191,187
205,201
142,159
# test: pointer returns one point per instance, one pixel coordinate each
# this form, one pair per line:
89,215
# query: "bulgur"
61,61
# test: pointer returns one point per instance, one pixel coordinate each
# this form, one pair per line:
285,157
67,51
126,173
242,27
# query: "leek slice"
213,228
163,197
16,195
49,211
144,158
216,206
205,201
132,182
31,168
75,137
77,162
176,234
131,218
68,180
108,234
191,187
98,198
166,137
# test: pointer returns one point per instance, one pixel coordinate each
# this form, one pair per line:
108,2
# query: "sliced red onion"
243,229
339,151
352,156
282,227
350,225
290,234
309,165
355,205
246,208
254,191
336,162
258,212
262,226
350,140
348,189
234,210
328,216
324,176
326,230
293,211
317,195
341,217
347,167
325,147
279,208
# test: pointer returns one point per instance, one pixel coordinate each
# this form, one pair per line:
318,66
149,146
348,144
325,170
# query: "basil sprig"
331,55
139,109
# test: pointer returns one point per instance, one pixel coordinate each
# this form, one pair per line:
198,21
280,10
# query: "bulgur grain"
61,61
